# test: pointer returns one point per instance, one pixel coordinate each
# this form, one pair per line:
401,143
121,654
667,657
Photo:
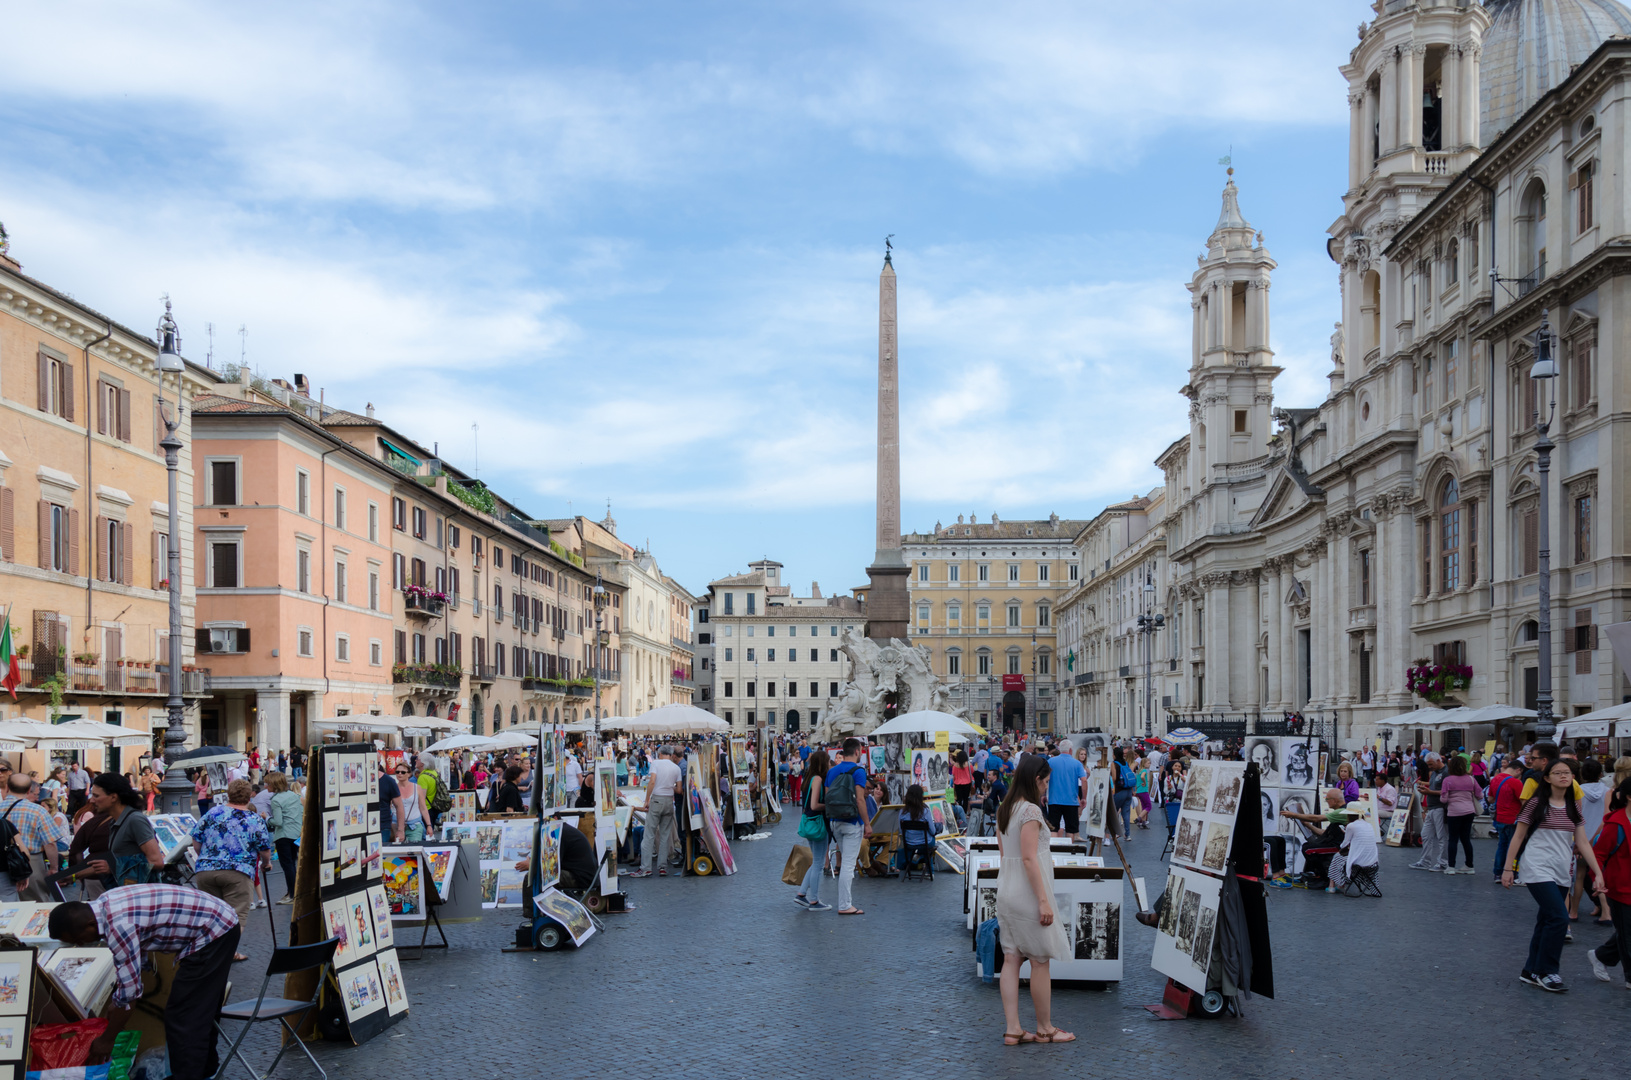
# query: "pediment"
1283,498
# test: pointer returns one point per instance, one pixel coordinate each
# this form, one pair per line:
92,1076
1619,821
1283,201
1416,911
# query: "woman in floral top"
232,844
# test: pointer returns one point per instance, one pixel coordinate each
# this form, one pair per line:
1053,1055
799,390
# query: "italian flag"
8,660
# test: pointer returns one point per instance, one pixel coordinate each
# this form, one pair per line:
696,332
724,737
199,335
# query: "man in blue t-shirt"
850,832
1065,791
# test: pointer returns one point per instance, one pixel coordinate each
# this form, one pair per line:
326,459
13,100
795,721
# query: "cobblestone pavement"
725,977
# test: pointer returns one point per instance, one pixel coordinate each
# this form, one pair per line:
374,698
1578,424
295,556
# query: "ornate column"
1275,569
1253,581
1410,94
1389,84
1450,105
1470,133
1356,127
1367,128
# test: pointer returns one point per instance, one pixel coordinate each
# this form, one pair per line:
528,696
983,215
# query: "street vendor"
136,920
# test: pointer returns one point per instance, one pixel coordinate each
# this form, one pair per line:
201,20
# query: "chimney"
815,590
301,385
370,410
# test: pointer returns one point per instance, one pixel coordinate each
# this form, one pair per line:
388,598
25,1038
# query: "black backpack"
840,797
18,866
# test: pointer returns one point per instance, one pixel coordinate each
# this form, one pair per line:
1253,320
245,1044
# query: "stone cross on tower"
887,600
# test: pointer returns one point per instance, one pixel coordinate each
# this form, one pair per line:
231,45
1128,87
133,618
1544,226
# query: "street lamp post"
599,655
1148,624
1543,371
175,791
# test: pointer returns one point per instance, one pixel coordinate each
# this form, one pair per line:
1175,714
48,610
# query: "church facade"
1314,554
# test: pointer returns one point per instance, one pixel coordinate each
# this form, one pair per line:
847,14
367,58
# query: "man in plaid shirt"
135,920
37,836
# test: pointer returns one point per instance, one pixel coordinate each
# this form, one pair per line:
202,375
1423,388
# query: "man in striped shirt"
135,920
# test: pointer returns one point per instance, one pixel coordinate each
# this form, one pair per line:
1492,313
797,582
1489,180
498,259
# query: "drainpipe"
90,494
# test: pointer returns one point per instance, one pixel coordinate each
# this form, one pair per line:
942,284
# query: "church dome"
1530,47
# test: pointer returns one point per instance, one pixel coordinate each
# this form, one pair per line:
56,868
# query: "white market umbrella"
676,720
46,737
511,740
1419,718
1185,736
1594,725
459,742
924,722
111,733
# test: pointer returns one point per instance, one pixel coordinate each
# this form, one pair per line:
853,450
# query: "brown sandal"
1055,1036
1023,1037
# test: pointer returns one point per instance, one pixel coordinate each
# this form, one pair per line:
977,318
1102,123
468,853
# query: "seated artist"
1320,846
579,866
136,920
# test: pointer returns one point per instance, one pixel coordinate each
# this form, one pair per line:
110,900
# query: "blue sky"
638,244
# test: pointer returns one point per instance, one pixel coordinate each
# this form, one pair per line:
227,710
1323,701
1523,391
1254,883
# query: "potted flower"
1436,682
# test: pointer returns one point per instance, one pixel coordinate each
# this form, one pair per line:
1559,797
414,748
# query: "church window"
1452,263
1583,209
1449,530
1240,421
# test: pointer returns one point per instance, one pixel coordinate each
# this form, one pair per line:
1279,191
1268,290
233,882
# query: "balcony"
681,643
605,675
535,689
1126,670
484,674
580,691
423,603
428,680
128,678
683,683
1084,678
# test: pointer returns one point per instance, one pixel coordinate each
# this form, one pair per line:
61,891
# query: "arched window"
407,708
532,714
515,715
1452,263
1532,231
1449,535
1531,631
498,718
430,710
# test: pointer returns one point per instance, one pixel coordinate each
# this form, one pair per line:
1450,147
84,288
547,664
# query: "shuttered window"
8,525
55,386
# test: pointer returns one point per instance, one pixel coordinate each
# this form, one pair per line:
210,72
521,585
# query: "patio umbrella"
1593,725
511,740
460,742
677,720
47,737
925,721
1185,736
208,755
112,733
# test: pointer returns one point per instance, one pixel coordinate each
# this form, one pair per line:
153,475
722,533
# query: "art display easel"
339,891
1218,844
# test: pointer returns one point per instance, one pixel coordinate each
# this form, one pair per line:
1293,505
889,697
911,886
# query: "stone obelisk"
887,603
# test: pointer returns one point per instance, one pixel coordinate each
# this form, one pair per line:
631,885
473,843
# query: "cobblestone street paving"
725,977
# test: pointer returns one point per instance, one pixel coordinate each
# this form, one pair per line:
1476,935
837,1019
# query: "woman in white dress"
1028,925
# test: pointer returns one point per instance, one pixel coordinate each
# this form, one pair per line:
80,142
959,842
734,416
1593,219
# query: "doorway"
1013,711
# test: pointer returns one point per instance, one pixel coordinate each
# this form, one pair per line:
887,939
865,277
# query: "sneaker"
637,873
1529,977
1597,967
290,900
1568,936
800,901
1554,983
1435,869
1419,866
663,872
818,906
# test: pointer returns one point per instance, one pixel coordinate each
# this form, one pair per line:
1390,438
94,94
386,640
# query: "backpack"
1125,780
840,795
17,864
442,801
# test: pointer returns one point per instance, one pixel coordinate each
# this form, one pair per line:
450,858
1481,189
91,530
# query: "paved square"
726,977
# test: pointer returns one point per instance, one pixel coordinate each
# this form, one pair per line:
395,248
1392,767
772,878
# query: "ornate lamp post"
602,639
175,791
1543,372
1148,624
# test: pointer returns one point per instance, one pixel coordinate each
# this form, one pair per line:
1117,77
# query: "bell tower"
1231,372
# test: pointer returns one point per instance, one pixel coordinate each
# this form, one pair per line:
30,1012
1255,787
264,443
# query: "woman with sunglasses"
414,811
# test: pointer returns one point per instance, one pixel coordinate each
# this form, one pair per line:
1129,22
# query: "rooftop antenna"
209,353
243,344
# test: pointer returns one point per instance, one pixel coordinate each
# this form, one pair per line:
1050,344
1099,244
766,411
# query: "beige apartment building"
682,688
983,597
84,525
773,659
1112,674
373,578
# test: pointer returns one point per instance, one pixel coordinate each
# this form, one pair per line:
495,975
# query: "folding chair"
285,961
